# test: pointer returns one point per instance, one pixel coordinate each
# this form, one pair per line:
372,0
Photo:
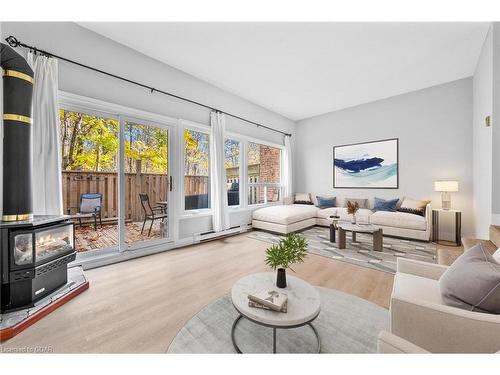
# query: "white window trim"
244,184
233,137
203,128
78,103
248,138
73,102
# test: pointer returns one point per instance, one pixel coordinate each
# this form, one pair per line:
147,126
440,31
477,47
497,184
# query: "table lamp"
445,187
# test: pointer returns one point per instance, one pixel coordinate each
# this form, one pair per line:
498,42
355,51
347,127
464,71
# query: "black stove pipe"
17,148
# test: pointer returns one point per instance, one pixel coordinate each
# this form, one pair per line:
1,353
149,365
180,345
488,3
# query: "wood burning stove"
34,250
34,258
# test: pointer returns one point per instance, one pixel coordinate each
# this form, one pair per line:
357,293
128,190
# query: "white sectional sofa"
293,217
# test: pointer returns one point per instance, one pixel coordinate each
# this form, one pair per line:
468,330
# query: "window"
264,173
196,170
232,166
89,155
146,182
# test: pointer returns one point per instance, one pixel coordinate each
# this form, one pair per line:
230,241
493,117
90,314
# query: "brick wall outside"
267,171
270,160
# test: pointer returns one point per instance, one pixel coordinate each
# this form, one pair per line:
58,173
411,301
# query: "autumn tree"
253,153
88,142
231,153
196,160
148,144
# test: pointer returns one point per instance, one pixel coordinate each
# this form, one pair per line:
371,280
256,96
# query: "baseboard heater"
210,236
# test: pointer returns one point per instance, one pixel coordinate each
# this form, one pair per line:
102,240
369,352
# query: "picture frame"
366,165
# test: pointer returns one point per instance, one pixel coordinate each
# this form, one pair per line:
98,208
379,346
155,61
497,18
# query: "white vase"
353,220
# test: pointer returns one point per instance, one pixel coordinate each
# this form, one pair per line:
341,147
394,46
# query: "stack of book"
268,300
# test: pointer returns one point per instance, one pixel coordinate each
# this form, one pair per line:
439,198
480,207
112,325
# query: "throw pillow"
412,206
326,202
363,203
472,282
496,255
303,198
385,205
414,211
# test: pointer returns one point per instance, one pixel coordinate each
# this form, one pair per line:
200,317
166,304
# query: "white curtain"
288,169
220,218
47,190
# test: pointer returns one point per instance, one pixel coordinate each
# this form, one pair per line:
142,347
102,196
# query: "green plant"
291,249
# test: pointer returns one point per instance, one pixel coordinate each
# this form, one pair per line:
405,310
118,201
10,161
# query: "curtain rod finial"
12,41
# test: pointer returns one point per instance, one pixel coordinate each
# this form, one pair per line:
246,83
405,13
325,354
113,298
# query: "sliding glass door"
89,177
146,182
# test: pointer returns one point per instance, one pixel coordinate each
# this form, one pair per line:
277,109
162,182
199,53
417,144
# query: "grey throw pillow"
363,203
472,282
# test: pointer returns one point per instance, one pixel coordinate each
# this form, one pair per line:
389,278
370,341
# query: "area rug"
346,324
360,252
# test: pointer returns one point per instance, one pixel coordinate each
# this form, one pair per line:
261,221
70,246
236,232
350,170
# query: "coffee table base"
377,239
235,323
332,233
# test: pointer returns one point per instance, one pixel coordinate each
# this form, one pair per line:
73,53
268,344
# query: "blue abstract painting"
366,165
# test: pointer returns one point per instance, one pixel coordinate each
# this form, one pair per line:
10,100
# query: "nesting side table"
457,217
333,227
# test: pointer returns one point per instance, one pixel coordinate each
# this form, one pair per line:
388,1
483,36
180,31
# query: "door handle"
170,183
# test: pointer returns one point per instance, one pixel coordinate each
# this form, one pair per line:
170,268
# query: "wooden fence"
195,185
76,183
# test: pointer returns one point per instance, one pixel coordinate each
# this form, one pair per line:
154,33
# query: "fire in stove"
53,241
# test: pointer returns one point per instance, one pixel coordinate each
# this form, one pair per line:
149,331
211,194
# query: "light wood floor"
140,305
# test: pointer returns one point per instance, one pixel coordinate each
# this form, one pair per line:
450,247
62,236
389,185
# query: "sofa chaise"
289,218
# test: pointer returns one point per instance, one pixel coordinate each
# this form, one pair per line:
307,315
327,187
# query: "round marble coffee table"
303,304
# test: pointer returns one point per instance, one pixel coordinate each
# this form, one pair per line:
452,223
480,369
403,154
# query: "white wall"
77,43
495,204
435,142
482,139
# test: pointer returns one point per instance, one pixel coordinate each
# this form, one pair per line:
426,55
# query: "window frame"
244,184
201,128
78,103
68,105
240,174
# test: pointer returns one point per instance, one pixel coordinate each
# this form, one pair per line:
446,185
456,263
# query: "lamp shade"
446,186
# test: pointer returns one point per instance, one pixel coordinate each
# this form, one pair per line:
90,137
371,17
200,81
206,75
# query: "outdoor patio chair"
233,194
151,213
90,207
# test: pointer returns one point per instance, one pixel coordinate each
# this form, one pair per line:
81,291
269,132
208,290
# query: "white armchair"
421,322
392,344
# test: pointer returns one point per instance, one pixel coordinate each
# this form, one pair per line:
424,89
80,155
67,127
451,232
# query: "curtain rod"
13,42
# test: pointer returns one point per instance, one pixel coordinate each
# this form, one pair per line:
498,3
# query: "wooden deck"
88,239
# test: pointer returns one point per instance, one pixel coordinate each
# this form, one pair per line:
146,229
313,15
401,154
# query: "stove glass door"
53,241
23,249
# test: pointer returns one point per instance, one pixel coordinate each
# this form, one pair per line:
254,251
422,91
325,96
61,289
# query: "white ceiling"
305,69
